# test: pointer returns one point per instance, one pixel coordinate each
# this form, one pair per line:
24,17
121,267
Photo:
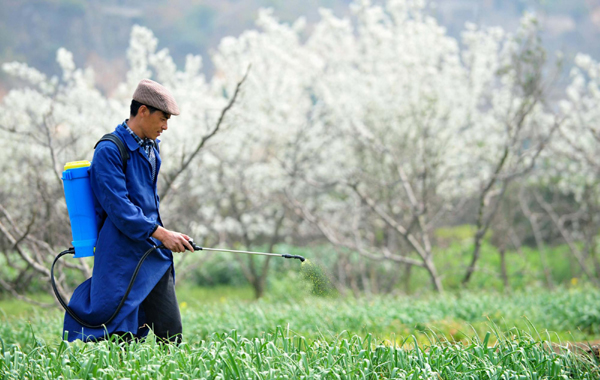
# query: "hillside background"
97,32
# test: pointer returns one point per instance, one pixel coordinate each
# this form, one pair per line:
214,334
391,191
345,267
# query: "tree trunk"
407,278
435,279
259,286
503,271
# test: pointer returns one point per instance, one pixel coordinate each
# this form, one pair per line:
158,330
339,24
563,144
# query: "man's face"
153,124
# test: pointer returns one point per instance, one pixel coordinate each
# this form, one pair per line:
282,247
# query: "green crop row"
455,336
283,356
569,313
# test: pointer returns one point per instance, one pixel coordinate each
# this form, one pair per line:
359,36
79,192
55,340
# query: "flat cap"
154,94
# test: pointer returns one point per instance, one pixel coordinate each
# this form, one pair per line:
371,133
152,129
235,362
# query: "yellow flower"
574,281
183,305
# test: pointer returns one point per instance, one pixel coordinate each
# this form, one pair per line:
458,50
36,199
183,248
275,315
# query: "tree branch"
171,177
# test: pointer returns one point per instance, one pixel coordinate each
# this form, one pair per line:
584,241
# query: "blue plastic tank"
80,205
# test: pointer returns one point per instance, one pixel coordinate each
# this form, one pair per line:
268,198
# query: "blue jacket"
127,214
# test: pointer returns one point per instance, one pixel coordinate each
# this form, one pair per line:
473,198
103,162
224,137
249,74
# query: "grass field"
461,336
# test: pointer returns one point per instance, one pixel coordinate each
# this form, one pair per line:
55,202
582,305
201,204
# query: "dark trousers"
162,310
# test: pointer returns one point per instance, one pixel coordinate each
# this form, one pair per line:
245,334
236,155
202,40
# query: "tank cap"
76,164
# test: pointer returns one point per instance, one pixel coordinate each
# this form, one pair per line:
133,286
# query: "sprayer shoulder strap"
119,143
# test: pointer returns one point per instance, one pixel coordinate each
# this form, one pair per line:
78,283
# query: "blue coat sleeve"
109,186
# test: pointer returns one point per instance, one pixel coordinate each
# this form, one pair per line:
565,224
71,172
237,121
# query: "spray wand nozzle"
284,255
287,256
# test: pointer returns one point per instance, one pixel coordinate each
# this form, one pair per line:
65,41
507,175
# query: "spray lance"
84,229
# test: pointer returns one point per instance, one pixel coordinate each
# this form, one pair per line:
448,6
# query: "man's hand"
175,241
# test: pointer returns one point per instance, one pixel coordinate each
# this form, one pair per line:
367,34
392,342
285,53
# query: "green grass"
196,296
15,307
572,314
460,336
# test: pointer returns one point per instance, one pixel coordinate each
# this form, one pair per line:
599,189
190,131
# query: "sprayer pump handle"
196,247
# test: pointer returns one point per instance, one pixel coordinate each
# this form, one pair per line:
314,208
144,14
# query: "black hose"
71,251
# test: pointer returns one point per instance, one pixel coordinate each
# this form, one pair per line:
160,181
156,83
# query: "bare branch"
392,223
171,177
21,297
559,223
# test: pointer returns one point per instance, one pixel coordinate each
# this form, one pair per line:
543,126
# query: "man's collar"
131,141
137,138
127,137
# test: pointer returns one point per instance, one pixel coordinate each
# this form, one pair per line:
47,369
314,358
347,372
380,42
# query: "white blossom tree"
392,136
567,188
369,131
52,121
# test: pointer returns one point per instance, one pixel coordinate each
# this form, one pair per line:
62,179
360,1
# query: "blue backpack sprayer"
84,229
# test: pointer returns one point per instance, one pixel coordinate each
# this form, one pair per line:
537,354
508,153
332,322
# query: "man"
126,203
